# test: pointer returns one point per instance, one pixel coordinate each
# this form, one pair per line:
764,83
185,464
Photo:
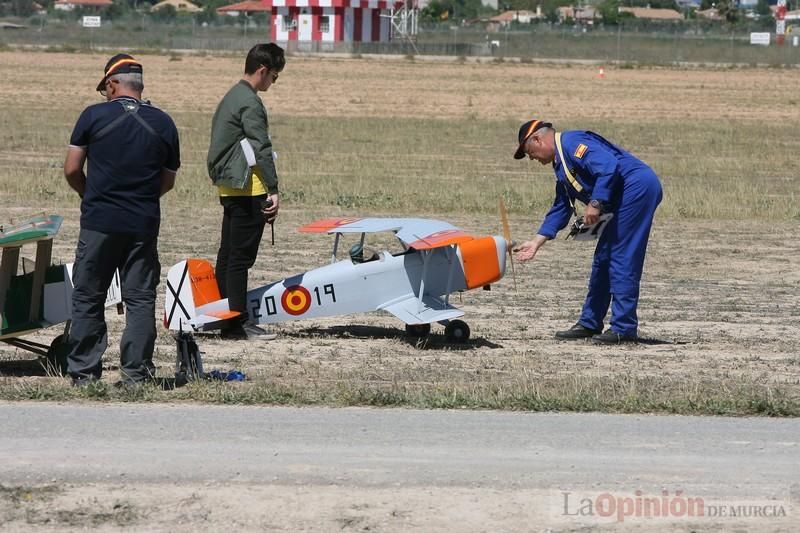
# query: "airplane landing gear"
418,330
457,331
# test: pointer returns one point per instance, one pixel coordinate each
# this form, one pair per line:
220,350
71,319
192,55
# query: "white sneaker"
248,331
257,332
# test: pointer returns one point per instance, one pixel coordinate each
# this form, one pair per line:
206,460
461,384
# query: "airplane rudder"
179,303
203,282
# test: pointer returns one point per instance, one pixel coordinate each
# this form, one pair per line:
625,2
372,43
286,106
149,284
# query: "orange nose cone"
482,262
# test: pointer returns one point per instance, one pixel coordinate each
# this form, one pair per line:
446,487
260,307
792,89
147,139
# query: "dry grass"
40,506
363,137
391,136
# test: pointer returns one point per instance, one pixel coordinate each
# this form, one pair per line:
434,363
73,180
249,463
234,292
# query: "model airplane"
414,284
41,294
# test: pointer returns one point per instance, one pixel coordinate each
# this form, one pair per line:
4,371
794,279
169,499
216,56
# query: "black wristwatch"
597,204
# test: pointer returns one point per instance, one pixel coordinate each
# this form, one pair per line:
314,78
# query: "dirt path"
169,467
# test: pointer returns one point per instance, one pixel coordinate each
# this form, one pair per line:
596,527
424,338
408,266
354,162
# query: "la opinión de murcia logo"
677,505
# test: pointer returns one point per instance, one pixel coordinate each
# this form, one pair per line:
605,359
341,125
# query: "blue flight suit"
629,189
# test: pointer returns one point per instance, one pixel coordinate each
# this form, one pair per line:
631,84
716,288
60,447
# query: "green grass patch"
740,397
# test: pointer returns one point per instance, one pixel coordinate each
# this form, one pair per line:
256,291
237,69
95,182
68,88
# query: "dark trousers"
97,258
242,228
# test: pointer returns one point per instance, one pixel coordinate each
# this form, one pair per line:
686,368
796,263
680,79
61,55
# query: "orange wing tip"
327,224
223,315
441,238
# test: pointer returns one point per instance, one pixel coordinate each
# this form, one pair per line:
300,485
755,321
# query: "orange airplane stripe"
443,239
327,224
223,315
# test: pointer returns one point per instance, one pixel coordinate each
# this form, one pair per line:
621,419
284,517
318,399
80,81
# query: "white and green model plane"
36,294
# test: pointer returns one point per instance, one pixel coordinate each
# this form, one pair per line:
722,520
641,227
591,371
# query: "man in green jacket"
240,163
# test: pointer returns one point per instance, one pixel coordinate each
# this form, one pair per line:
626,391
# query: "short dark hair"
269,55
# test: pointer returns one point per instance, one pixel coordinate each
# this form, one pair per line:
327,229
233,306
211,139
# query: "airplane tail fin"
193,299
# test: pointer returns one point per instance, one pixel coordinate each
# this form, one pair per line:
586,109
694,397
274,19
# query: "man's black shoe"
129,383
84,382
611,337
578,331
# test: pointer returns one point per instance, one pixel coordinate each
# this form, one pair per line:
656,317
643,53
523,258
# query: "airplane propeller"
507,237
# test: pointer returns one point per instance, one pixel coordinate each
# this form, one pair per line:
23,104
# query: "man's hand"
591,215
527,250
271,213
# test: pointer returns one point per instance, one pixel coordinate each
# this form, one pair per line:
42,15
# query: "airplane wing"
417,233
30,230
431,309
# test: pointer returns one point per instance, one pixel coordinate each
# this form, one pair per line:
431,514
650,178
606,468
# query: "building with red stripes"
331,20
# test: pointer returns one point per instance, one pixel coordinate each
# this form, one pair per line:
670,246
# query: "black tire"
457,331
418,330
57,356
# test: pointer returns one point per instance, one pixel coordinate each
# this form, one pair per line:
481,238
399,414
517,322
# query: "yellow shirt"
254,186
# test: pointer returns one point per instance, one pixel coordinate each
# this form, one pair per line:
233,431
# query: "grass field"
403,137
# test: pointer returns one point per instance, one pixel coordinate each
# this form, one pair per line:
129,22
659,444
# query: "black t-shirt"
123,178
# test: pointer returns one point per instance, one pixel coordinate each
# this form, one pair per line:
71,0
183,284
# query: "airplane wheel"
418,330
457,331
57,356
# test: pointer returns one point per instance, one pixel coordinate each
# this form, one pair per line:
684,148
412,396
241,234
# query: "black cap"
525,131
119,64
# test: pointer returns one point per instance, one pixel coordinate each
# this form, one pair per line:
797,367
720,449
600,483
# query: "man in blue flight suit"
608,179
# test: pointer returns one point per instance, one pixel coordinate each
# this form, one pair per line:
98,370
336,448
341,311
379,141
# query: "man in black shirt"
133,156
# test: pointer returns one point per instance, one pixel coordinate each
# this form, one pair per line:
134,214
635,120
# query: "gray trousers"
97,257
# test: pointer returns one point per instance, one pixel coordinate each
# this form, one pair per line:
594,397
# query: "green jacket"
240,115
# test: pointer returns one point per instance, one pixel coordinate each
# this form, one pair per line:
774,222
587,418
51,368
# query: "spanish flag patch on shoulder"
580,150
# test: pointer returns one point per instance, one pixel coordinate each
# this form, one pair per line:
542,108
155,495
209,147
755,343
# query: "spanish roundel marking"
296,300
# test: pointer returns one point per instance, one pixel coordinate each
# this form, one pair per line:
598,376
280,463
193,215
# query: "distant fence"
633,44
661,44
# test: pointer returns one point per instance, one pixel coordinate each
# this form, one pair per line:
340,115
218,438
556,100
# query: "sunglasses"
274,74
104,90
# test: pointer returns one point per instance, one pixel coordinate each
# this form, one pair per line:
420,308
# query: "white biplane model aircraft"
414,285
41,294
